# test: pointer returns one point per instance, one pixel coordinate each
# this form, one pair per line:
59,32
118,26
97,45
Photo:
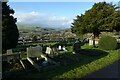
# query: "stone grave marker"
22,54
10,57
76,47
9,51
34,51
59,47
38,50
64,49
55,51
91,42
29,51
48,50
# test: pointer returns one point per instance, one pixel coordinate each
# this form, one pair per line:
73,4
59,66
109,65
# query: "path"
111,71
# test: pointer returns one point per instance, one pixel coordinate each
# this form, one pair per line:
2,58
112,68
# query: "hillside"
29,29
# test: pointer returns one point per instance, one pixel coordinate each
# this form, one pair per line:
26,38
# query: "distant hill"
29,28
35,29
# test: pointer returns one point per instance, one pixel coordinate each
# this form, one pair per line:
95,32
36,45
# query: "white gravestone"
91,42
64,49
59,47
48,50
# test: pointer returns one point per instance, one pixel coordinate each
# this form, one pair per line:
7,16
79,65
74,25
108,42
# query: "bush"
107,43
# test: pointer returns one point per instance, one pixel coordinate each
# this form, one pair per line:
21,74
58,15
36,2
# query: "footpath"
111,72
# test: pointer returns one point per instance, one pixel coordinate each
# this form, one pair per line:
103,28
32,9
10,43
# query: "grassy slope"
87,65
92,66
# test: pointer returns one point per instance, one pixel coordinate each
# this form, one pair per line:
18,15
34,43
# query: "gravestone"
34,51
48,50
38,50
29,51
59,47
55,51
22,54
9,51
64,49
9,58
76,47
91,42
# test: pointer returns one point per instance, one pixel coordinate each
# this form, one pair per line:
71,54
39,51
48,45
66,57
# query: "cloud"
42,19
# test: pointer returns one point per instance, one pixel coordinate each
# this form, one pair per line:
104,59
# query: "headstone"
9,58
22,54
118,40
59,47
34,51
76,47
55,51
91,42
9,51
29,51
48,50
96,41
64,49
38,50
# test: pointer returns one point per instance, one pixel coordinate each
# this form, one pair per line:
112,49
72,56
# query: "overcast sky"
48,14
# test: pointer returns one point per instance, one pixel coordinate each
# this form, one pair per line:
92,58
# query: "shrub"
107,43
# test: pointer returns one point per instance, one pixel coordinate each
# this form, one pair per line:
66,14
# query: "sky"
48,14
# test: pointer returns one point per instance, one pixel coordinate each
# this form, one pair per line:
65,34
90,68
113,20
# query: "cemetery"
41,59
36,52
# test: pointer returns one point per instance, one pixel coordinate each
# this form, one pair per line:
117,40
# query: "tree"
10,32
102,16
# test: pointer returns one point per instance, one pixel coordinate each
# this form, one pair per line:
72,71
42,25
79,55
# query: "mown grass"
82,70
85,69
9,54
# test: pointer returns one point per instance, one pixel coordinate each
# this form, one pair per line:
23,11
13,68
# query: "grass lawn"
82,70
91,66
86,65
